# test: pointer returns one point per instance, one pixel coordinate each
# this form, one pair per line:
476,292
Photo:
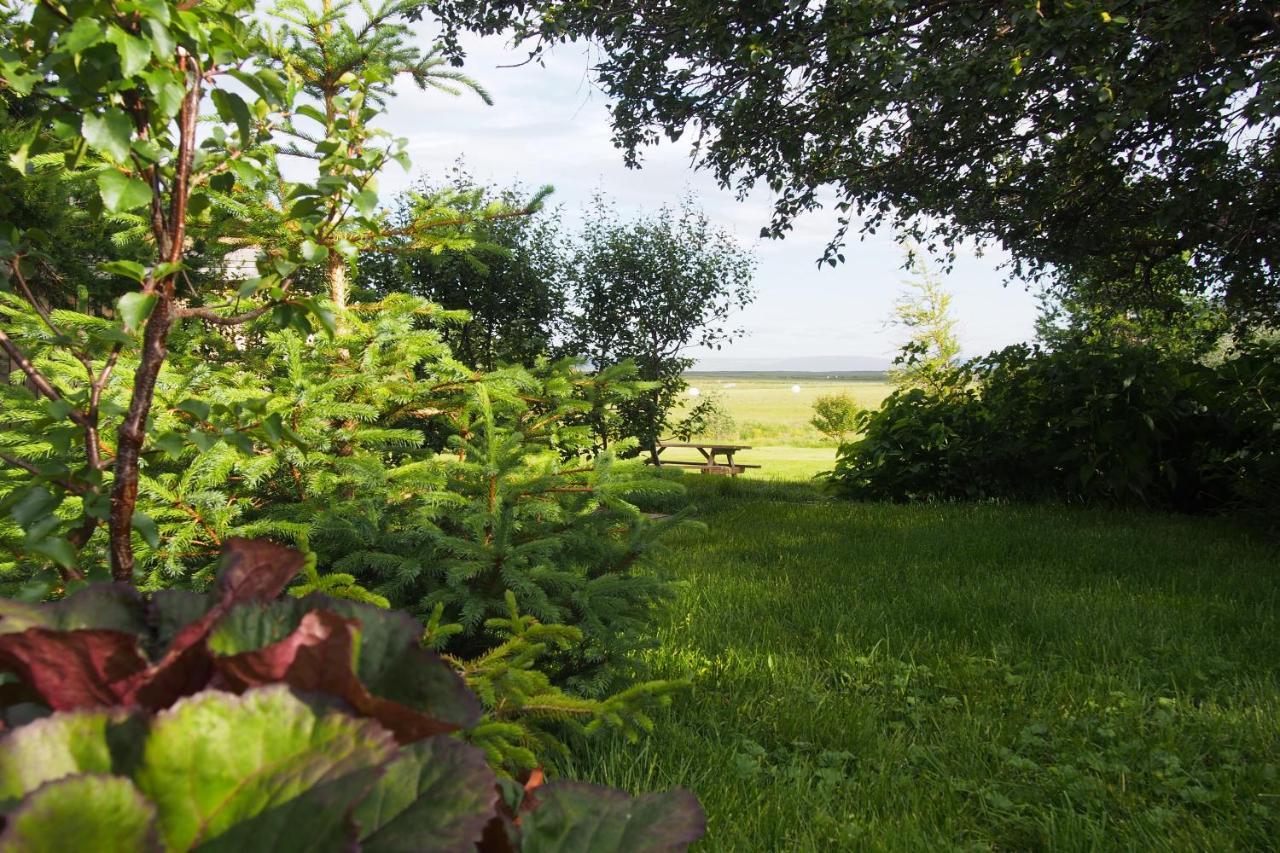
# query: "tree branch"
210,316
132,432
38,379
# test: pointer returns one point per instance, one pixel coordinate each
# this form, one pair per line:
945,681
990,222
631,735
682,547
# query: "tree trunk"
337,278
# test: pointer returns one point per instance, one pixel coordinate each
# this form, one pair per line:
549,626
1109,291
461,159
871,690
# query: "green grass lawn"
964,677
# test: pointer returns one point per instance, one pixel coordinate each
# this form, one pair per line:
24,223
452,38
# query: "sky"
549,125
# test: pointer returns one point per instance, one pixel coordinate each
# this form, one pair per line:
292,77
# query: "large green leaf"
215,760
232,109
573,817
103,814
68,744
134,309
110,133
134,52
112,607
121,192
318,820
249,627
436,796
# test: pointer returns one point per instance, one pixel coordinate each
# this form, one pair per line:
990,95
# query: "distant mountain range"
795,364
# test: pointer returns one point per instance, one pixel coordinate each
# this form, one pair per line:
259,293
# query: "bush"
1089,421
836,416
233,721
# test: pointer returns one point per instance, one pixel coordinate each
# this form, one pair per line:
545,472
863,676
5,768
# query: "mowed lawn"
880,677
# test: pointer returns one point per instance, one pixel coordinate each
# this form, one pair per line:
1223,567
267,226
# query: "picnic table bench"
710,450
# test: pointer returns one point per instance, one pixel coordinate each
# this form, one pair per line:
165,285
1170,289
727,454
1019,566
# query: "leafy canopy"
1107,138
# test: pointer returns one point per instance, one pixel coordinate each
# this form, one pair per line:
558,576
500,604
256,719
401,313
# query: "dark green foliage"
338,739
511,283
1127,141
1094,421
562,536
525,713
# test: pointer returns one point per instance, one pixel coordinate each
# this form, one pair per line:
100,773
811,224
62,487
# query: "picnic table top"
708,445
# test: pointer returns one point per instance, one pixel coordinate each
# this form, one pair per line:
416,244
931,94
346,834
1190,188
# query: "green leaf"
129,269
166,92
324,315
172,444
134,52
37,503
121,193
437,795
577,818
216,760
198,409
162,43
105,814
134,309
366,201
232,108
146,528
84,34
318,819
313,252
21,153
56,548
110,134
67,744
166,269
202,440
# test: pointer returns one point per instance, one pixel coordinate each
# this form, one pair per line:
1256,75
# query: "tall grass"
964,677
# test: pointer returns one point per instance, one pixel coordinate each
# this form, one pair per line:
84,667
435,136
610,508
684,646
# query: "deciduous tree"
647,290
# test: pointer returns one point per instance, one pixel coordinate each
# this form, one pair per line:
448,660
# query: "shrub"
234,721
920,444
1090,421
836,416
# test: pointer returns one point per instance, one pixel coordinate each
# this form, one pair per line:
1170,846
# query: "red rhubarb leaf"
255,569
109,606
73,669
319,656
252,569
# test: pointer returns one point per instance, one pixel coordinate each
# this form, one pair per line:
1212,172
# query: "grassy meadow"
963,677
764,412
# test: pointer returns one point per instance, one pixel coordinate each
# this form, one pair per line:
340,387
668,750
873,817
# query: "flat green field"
766,412
963,677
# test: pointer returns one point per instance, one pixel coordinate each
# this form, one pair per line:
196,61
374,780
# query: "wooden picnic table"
710,450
